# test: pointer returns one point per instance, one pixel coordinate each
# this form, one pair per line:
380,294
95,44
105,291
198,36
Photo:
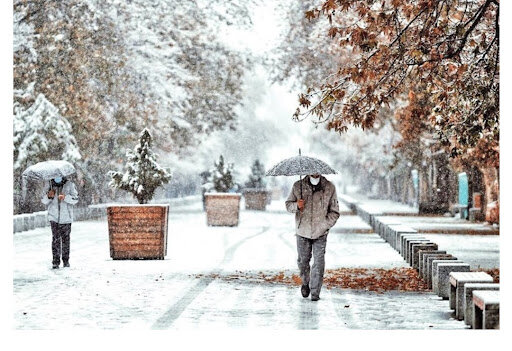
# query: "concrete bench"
486,309
383,222
41,219
390,230
476,214
386,228
423,254
404,237
372,219
395,232
17,224
349,201
457,282
441,276
363,213
469,288
460,209
415,253
408,248
431,267
29,222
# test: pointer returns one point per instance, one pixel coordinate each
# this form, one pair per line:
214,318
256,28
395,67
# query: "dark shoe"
55,266
66,264
304,290
315,298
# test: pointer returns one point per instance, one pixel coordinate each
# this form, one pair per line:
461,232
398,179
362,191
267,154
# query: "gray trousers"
60,241
312,276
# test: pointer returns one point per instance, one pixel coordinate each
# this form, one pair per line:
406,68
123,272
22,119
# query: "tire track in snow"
173,313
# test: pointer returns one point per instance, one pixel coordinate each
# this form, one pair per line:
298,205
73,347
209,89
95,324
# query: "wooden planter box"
138,231
256,199
222,209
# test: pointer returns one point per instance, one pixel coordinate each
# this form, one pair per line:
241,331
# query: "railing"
29,221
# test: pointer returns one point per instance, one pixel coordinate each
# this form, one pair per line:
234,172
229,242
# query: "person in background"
315,204
60,195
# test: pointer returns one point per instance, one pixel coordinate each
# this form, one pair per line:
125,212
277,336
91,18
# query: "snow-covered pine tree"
256,178
222,176
41,133
143,174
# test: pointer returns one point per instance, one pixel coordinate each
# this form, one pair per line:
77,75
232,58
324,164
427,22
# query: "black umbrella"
300,165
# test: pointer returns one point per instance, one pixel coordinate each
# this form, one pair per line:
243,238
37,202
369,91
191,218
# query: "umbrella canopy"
47,170
300,165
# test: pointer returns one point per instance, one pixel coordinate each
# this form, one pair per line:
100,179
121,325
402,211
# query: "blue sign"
415,179
464,192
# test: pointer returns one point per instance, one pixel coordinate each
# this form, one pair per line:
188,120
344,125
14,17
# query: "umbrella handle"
300,176
300,182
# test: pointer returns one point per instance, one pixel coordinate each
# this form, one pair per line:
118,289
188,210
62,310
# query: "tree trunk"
491,186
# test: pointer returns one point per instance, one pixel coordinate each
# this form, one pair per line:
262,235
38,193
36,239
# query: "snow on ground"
480,251
434,224
101,293
382,206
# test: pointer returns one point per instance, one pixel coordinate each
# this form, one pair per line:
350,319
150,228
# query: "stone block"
442,276
423,261
16,224
430,267
403,238
415,253
394,232
486,309
408,250
32,222
468,297
382,223
40,219
457,281
476,215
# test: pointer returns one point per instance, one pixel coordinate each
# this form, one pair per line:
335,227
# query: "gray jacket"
61,211
321,210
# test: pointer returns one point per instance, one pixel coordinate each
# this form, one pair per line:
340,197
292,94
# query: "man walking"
60,196
315,204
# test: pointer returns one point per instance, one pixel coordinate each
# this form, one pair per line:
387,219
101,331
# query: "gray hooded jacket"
321,210
61,211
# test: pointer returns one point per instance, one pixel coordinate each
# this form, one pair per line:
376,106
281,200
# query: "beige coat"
321,210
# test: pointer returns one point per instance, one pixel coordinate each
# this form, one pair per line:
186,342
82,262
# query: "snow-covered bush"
256,178
40,133
143,174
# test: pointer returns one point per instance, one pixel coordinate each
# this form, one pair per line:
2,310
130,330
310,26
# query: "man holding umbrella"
316,211
315,204
60,196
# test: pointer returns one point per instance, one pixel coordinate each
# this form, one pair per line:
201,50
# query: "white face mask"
314,181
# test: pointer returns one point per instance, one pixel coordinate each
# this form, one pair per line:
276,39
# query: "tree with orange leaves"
450,47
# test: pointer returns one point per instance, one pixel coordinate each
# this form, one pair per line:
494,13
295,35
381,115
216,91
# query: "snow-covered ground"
100,293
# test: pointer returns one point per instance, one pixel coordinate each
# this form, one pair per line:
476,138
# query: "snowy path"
98,292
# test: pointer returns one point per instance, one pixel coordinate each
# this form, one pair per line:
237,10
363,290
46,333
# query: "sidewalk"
474,243
100,293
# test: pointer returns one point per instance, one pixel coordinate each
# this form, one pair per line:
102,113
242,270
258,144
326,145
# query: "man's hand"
300,204
62,197
51,194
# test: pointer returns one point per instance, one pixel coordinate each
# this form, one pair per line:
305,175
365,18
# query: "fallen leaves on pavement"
374,279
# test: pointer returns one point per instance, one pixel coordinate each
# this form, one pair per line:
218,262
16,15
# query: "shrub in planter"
139,231
221,202
255,193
